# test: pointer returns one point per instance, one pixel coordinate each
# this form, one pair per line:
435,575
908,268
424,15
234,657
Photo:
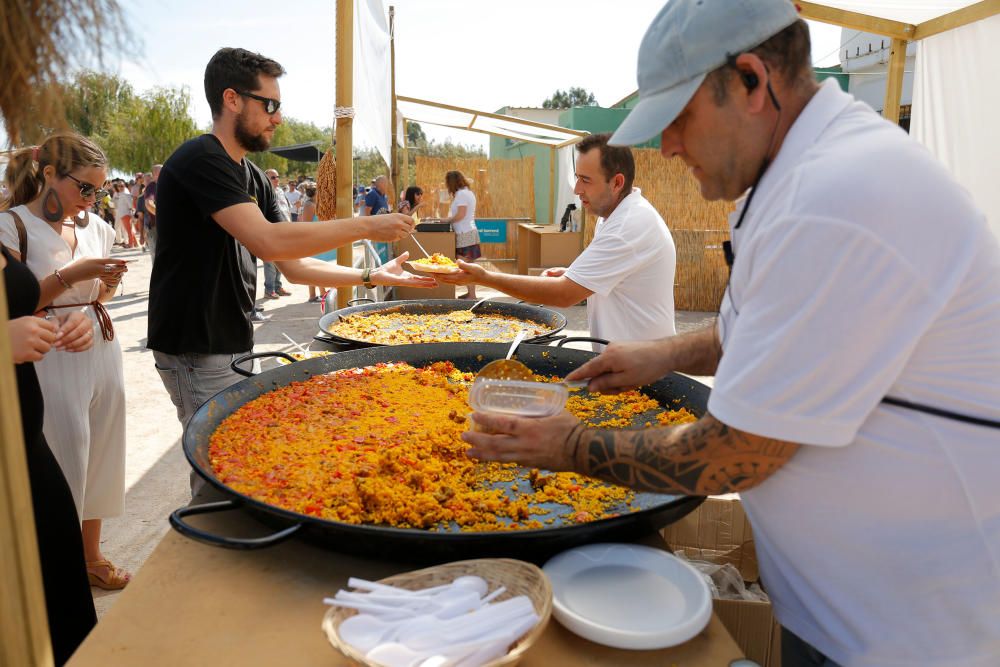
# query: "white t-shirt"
123,205
293,197
629,266
464,197
47,251
863,270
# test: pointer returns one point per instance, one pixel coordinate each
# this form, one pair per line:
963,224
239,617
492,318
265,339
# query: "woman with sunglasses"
67,248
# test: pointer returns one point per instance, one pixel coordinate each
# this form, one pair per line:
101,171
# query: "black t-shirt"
204,282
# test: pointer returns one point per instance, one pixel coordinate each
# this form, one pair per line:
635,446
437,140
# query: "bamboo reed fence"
503,188
699,227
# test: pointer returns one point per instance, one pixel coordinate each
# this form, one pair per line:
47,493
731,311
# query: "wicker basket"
518,577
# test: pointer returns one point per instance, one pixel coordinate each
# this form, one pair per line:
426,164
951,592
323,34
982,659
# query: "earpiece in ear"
749,80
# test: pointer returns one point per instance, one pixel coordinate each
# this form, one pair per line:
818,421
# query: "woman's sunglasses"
271,106
87,190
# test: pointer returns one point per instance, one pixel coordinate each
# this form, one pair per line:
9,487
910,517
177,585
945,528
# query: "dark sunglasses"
87,190
271,106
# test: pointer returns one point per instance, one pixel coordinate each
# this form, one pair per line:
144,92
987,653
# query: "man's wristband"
366,278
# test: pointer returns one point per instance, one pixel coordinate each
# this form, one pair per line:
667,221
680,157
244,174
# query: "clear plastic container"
517,397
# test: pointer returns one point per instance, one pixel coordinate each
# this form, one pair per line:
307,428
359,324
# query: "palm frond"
41,41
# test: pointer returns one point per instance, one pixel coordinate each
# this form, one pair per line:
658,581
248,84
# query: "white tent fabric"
372,87
954,108
907,11
510,127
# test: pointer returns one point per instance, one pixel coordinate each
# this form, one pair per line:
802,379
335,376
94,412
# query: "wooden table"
545,246
193,604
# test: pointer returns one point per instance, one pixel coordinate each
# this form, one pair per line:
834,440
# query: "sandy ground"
156,470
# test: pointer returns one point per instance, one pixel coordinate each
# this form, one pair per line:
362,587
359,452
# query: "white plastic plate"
413,267
628,596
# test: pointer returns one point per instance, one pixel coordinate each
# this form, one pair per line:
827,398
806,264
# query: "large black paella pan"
544,322
652,511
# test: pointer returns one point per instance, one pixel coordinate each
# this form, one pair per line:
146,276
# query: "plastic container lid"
517,397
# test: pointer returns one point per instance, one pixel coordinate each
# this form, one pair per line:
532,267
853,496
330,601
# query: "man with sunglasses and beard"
216,214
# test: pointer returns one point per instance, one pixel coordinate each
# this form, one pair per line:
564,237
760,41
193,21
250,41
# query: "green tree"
289,133
574,97
148,129
91,99
415,135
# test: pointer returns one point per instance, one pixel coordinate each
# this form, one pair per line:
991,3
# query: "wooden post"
345,138
552,184
406,155
394,167
24,632
894,82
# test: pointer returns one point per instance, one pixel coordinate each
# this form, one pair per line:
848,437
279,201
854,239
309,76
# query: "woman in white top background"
123,215
52,189
462,216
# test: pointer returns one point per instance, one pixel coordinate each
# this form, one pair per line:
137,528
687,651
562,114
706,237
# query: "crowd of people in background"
125,207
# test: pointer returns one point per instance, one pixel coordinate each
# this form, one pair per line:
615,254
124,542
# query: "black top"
68,602
204,282
22,298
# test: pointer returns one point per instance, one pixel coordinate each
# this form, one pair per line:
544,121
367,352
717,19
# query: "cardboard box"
719,532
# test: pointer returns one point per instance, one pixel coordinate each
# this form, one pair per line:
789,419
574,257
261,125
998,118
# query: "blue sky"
471,53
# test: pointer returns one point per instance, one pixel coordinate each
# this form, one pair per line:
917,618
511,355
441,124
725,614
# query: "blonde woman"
67,248
462,216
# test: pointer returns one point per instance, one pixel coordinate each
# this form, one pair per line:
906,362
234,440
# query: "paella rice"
381,445
436,259
449,327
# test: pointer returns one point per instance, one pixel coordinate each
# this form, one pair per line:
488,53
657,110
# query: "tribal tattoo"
703,458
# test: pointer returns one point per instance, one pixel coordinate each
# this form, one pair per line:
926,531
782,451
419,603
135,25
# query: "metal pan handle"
329,340
187,530
360,299
582,339
257,355
547,339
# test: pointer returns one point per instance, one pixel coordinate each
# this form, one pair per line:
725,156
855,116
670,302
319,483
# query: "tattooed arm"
632,364
704,458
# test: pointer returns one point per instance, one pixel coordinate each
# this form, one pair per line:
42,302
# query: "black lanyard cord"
938,412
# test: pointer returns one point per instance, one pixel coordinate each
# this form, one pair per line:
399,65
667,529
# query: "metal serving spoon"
507,368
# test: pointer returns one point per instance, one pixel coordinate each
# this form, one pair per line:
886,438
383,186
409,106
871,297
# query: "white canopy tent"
954,96
518,129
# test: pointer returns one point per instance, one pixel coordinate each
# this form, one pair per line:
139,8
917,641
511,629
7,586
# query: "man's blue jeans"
272,278
191,379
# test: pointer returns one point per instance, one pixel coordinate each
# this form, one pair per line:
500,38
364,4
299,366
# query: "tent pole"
394,167
406,154
894,82
958,18
345,138
552,184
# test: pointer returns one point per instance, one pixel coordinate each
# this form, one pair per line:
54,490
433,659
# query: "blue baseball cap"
687,40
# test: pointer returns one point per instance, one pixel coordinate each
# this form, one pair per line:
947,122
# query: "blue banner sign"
492,231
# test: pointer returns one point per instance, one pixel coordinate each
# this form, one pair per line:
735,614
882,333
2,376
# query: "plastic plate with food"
436,263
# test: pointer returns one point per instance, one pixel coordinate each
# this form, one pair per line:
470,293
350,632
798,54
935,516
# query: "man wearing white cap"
856,357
